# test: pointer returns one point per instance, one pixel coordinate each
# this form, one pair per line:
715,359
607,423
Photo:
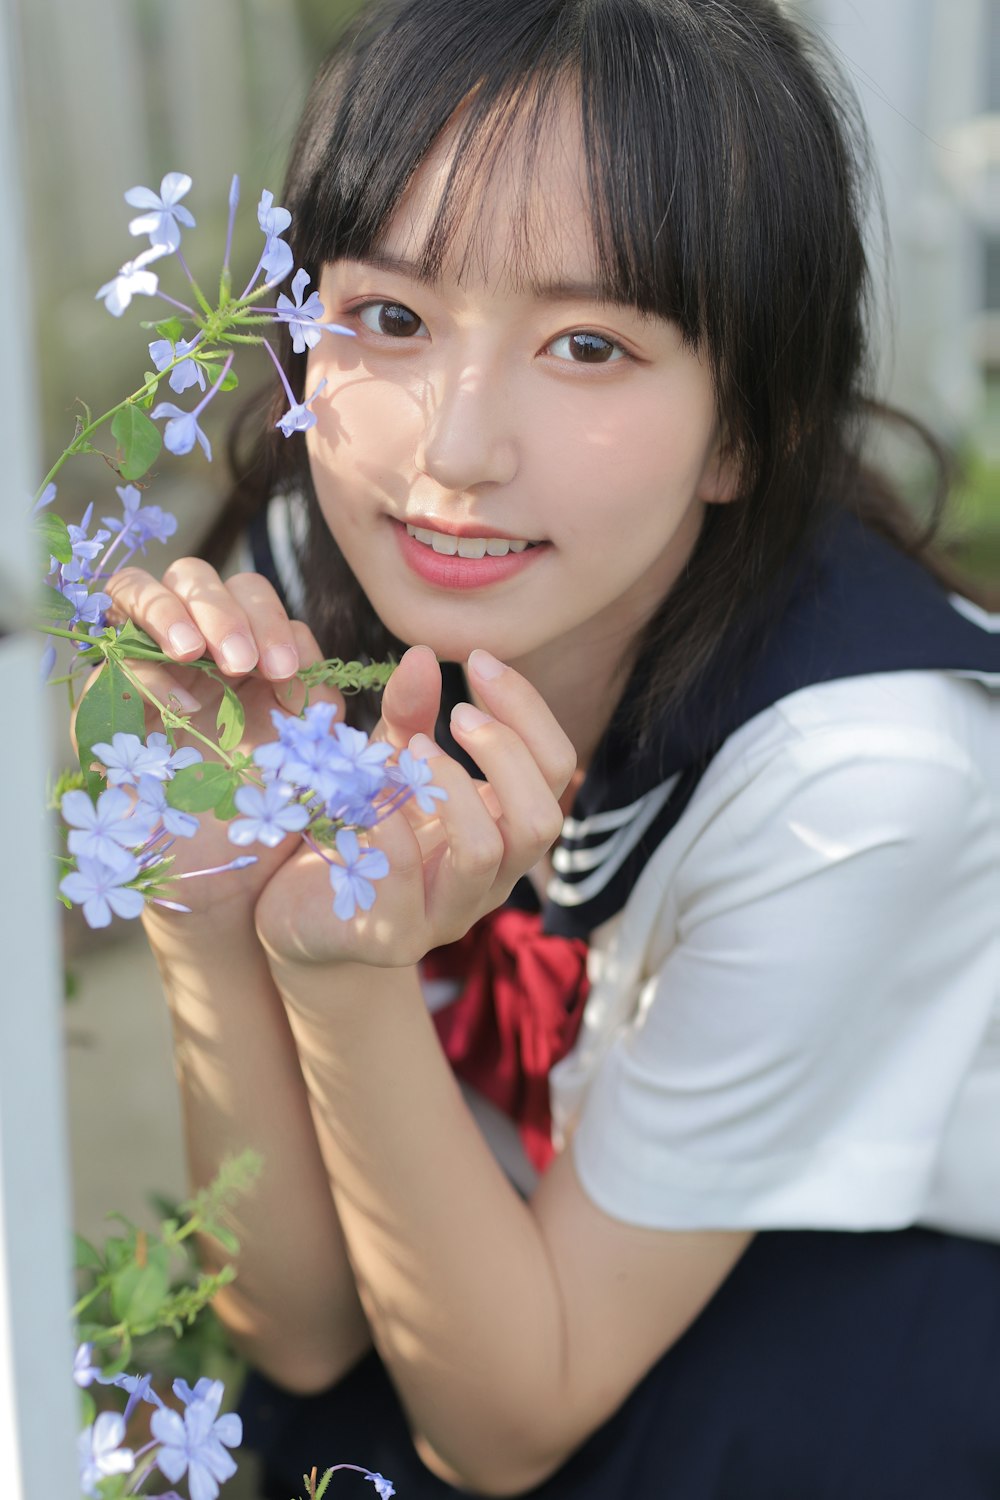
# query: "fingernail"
485,666
422,747
280,661
184,638
238,654
466,717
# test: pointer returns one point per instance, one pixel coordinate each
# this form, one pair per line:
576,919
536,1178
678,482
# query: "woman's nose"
466,438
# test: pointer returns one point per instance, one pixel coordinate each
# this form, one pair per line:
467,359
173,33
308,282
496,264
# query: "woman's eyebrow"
542,291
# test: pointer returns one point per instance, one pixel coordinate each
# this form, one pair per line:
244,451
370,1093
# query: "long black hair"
729,184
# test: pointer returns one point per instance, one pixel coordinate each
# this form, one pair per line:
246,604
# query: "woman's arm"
293,1310
511,1330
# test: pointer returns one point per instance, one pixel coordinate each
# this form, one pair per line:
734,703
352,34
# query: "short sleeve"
833,970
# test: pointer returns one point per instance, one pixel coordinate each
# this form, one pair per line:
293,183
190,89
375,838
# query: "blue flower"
414,775
270,814
164,215
88,608
303,317
85,1373
141,523
100,890
133,279
277,259
152,796
298,417
188,373
105,831
362,758
100,1452
192,1443
352,881
182,430
127,758
139,1387
45,498
383,1487
85,550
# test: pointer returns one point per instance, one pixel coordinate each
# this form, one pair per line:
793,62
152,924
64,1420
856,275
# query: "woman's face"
565,446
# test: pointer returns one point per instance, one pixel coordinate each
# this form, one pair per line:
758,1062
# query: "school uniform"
761,990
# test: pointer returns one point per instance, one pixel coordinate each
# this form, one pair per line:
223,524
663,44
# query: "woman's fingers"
241,622
157,610
512,701
411,699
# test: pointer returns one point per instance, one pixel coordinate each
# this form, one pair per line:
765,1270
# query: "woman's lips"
457,572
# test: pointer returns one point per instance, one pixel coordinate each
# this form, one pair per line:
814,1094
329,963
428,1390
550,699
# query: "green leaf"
55,537
138,438
199,788
52,605
213,371
171,328
231,720
137,645
85,1257
138,1291
111,705
147,400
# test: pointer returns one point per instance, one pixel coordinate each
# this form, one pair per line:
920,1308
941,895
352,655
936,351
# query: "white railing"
37,1415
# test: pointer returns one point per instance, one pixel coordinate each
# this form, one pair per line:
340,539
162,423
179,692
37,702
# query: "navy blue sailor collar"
858,606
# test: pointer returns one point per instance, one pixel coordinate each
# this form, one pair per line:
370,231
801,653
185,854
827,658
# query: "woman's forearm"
293,1310
453,1269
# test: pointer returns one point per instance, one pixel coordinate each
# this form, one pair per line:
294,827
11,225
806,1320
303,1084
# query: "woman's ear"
720,478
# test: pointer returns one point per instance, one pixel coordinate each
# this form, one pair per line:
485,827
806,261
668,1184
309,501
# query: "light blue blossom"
88,608
85,550
270,814
140,523
45,498
139,1387
133,279
298,417
414,775
362,758
277,259
105,831
352,881
84,1371
100,1451
153,797
164,213
188,373
303,317
127,758
195,1442
182,430
47,662
383,1487
101,890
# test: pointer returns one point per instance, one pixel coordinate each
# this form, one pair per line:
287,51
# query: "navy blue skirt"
829,1366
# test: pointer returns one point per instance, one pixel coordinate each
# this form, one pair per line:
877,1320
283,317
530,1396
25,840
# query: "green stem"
175,720
85,1301
83,436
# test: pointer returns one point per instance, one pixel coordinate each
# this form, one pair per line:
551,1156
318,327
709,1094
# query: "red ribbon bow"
522,999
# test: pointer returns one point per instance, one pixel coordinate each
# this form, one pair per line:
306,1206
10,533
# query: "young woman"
643,1138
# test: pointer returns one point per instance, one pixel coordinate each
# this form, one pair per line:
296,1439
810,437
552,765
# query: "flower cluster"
188,1440
323,786
187,360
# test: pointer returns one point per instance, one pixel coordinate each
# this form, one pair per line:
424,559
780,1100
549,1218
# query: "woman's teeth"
466,546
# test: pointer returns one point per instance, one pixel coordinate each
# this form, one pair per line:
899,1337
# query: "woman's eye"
586,349
390,318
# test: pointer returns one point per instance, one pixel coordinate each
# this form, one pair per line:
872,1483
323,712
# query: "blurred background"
115,93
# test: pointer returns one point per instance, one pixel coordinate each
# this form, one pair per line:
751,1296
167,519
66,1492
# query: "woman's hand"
448,870
244,628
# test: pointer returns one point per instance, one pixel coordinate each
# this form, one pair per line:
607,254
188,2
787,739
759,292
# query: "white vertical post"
37,1415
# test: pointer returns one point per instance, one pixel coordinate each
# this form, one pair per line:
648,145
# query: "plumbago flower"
137,792
193,1443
